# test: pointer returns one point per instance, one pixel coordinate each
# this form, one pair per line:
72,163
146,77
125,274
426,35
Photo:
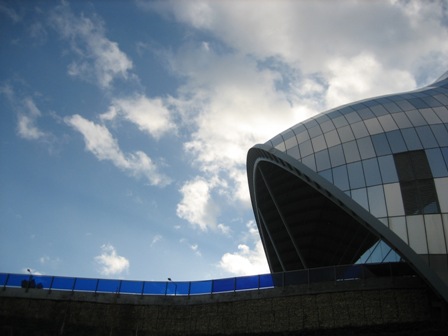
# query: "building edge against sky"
364,182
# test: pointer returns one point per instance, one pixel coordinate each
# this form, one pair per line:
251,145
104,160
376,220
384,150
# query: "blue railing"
183,288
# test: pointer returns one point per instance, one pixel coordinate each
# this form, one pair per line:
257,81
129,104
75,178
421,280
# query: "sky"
124,125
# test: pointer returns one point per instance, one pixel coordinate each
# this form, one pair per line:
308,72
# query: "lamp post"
175,286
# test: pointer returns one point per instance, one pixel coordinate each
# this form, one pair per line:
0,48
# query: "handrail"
187,288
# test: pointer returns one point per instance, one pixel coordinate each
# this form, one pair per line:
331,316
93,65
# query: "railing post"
74,284
51,284
143,287
6,281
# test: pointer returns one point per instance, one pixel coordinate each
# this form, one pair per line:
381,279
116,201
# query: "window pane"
437,162
351,152
319,143
377,202
426,137
381,144
366,148
345,133
332,138
336,156
322,160
416,118
359,129
340,177
411,139
417,235
371,172
360,197
402,120
394,202
436,237
373,126
441,134
387,169
398,226
356,175
396,141
305,148
387,123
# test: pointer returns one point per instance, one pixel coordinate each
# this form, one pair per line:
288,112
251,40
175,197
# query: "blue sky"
124,125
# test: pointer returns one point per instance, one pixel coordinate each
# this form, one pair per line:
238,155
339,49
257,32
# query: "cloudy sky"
124,125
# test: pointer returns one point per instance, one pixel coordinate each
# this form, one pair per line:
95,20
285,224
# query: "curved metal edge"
266,153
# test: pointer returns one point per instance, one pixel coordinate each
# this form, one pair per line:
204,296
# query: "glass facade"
390,155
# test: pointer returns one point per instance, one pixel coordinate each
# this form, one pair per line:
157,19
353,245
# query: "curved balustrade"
183,288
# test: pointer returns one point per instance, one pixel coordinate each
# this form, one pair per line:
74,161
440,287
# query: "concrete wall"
327,306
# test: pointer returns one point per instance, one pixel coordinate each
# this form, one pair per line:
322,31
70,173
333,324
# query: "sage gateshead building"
366,182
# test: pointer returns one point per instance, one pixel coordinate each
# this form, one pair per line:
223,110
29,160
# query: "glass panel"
359,129
266,281
411,139
398,226
436,237
431,117
322,160
296,278
3,278
291,142
366,114
353,117
314,131
86,284
394,200
42,281
346,134
131,287
327,174
351,152
305,148
183,288
371,172
442,112
417,235
294,152
319,143
223,285
322,274
378,110
155,288
309,162
404,105
327,126
442,192
441,134
201,287
332,138
340,121
426,137
110,286
381,144
377,202
350,272
62,283
340,177
373,126
336,156
303,136
356,175
360,197
392,107
387,168
248,282
416,118
437,162
388,123
396,141
366,148
19,280
281,146
402,120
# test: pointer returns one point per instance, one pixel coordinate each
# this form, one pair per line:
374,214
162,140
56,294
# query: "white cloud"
150,115
156,239
110,262
246,261
98,59
26,126
363,76
102,144
197,206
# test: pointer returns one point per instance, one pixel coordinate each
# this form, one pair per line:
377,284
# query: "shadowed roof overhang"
306,222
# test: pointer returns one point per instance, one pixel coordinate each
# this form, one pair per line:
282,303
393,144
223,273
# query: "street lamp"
175,286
